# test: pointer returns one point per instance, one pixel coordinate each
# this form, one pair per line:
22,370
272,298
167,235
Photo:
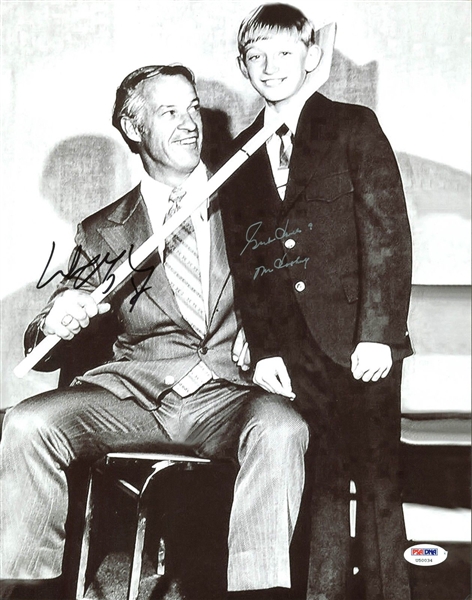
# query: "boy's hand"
70,313
272,376
240,351
371,361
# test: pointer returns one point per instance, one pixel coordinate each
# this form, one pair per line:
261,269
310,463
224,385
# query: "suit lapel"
261,170
314,137
313,140
128,227
219,267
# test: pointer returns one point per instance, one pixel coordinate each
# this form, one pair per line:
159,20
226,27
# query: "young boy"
320,246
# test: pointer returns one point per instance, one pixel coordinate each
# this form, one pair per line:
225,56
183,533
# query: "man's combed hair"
130,100
268,19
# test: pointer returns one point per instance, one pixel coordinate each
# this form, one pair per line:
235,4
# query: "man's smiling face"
276,66
170,128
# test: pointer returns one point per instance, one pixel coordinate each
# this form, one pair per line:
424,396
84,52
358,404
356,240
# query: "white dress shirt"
292,115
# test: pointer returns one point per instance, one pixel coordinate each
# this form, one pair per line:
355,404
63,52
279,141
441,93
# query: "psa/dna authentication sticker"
425,555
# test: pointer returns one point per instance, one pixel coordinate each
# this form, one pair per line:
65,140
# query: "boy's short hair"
268,19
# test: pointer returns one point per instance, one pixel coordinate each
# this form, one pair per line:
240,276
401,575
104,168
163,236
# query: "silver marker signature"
279,234
279,263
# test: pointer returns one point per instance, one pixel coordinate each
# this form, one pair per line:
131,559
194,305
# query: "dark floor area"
447,581
195,510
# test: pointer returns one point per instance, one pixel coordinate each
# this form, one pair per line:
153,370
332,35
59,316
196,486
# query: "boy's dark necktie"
285,152
286,146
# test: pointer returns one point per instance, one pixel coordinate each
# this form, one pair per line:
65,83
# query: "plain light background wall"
61,159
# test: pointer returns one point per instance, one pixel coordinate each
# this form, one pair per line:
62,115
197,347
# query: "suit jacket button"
169,380
289,244
204,350
300,286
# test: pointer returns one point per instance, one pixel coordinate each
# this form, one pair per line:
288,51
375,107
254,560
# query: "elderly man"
171,378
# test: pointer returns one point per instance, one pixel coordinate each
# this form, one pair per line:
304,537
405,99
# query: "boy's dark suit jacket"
326,268
343,252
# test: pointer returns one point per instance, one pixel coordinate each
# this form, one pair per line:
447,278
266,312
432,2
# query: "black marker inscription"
81,275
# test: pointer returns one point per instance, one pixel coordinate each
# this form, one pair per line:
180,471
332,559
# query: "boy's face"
277,66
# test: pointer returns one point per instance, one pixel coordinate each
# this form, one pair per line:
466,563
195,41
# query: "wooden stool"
118,468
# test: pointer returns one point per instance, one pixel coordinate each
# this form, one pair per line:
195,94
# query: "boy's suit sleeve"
384,235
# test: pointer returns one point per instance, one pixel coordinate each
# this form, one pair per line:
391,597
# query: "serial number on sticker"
423,560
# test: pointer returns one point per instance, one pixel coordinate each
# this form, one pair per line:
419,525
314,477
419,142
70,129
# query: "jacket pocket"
330,188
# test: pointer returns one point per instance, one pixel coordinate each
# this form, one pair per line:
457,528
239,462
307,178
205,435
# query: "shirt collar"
197,178
153,190
292,115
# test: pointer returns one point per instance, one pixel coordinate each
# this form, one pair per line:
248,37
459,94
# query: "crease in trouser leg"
32,467
266,502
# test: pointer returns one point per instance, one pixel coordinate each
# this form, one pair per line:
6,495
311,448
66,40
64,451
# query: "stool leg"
137,560
85,546
161,558
142,510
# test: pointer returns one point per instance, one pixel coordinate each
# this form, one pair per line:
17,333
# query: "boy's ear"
129,127
242,67
312,58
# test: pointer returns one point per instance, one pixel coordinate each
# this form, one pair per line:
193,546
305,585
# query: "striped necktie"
286,145
183,268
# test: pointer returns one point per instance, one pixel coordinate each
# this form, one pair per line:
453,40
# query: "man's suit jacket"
338,247
154,346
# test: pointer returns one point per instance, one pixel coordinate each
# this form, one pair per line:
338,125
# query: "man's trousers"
45,434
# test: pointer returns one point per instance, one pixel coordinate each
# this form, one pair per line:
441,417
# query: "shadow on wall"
216,137
80,175
218,98
84,173
353,83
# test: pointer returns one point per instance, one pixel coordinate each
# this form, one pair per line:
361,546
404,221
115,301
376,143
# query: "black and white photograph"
236,300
